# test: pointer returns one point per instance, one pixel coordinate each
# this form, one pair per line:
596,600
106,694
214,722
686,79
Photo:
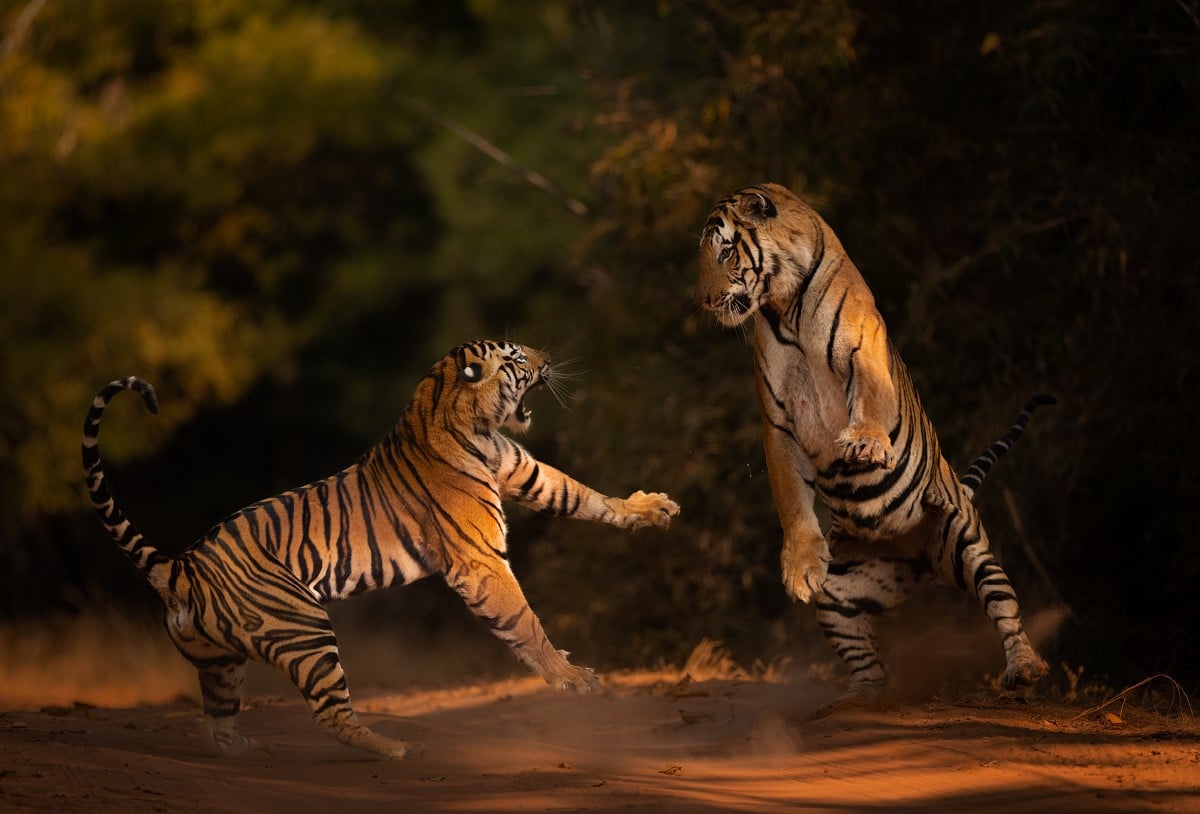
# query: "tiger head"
489,381
757,247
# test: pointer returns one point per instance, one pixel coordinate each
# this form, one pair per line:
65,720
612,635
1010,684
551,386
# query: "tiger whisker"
560,393
747,339
559,374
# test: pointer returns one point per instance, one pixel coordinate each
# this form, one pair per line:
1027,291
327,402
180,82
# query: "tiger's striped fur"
842,419
974,474
426,500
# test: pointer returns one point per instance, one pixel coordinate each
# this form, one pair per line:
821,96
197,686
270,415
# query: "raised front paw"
866,444
646,509
569,677
805,566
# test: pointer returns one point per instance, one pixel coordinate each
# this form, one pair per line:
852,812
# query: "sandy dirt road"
648,741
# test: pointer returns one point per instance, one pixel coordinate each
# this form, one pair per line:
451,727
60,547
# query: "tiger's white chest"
798,391
803,396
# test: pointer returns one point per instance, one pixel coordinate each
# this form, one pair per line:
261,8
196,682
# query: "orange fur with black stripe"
842,420
426,500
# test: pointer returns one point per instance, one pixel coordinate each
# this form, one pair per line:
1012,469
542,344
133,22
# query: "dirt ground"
652,741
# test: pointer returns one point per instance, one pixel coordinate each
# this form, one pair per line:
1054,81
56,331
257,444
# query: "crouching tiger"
426,500
841,418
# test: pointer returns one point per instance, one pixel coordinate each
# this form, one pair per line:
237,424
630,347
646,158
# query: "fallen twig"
1123,694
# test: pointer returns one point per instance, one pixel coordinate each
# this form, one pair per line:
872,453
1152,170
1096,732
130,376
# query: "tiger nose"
537,359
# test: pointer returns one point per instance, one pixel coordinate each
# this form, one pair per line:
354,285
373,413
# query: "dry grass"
1147,694
710,659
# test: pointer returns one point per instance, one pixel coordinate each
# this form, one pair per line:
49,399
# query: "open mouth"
522,414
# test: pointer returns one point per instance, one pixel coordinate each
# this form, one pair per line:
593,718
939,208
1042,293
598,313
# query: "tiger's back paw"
647,509
222,737
859,695
368,740
224,743
582,680
403,750
237,747
1024,673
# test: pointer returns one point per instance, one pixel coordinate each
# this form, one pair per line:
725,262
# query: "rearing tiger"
426,500
841,418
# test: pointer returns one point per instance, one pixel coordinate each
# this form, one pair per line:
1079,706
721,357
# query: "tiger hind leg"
303,645
221,671
857,591
284,626
962,556
322,682
221,681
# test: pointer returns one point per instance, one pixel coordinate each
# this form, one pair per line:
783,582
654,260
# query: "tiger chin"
842,420
426,500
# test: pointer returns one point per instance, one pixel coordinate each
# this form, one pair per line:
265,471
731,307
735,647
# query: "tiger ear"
757,207
467,371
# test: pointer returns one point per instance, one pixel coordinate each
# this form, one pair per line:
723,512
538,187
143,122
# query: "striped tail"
154,564
977,471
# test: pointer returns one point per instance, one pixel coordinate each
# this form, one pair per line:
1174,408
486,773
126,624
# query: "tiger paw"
1024,673
646,509
222,737
866,444
805,566
859,694
236,746
569,677
404,750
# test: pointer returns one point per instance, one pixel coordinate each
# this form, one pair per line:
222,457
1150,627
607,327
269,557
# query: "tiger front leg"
804,558
540,486
859,356
491,591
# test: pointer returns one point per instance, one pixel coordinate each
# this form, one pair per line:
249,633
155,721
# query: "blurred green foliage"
268,210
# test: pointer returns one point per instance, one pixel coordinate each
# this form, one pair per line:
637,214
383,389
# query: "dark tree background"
270,210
